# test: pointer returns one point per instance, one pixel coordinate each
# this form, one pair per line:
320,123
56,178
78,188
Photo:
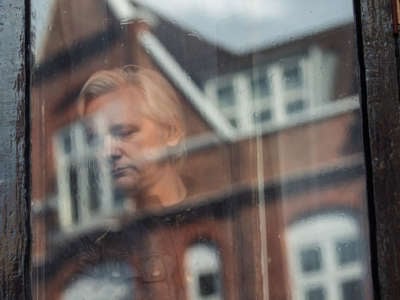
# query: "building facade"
273,166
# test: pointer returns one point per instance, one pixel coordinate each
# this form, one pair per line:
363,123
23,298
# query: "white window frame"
202,258
80,155
107,280
314,64
322,231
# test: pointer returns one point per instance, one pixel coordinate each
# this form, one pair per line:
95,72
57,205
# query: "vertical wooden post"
378,51
14,150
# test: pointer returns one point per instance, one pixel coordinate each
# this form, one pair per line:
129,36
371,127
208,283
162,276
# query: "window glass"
94,185
352,290
213,147
73,184
295,106
226,96
208,284
292,75
310,259
348,251
315,294
260,85
262,116
66,142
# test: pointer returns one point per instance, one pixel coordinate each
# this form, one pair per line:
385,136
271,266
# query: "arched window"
106,281
325,258
203,272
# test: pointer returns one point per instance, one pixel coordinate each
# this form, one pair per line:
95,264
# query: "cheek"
153,141
129,149
143,143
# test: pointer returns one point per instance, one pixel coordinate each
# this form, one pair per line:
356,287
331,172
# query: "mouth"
121,171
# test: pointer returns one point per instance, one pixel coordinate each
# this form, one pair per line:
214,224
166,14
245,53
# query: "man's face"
129,137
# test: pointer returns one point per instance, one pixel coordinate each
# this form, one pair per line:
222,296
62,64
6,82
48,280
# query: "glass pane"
260,85
315,294
352,290
295,106
310,259
74,193
292,75
197,150
94,186
233,122
262,116
66,141
348,251
226,96
208,284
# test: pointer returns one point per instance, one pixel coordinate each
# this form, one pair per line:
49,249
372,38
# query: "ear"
174,135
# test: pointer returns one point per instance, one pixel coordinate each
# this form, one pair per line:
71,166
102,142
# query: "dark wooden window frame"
378,53
14,150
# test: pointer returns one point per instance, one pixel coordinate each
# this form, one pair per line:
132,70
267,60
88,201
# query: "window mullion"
311,66
64,197
243,106
278,93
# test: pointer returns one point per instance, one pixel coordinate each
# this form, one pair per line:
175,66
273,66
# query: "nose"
111,149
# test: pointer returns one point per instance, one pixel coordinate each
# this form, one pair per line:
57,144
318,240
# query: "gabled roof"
188,58
186,34
241,27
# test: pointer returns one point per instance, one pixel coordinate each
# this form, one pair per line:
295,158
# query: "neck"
168,190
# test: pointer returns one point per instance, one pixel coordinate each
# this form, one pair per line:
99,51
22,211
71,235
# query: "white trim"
243,109
186,85
63,193
316,89
279,121
42,27
314,114
122,9
277,92
126,12
80,155
201,259
323,231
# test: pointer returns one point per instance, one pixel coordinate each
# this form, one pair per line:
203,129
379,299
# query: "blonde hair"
161,103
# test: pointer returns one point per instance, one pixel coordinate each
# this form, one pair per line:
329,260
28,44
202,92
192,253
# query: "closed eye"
123,131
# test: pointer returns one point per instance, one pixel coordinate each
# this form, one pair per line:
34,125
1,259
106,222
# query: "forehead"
121,103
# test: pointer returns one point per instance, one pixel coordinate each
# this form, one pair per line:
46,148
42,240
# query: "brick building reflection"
273,165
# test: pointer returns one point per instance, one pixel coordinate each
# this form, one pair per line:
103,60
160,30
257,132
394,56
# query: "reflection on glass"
352,290
292,75
94,185
110,280
200,149
260,85
295,106
142,130
348,251
315,294
226,96
203,272
262,116
322,259
310,259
